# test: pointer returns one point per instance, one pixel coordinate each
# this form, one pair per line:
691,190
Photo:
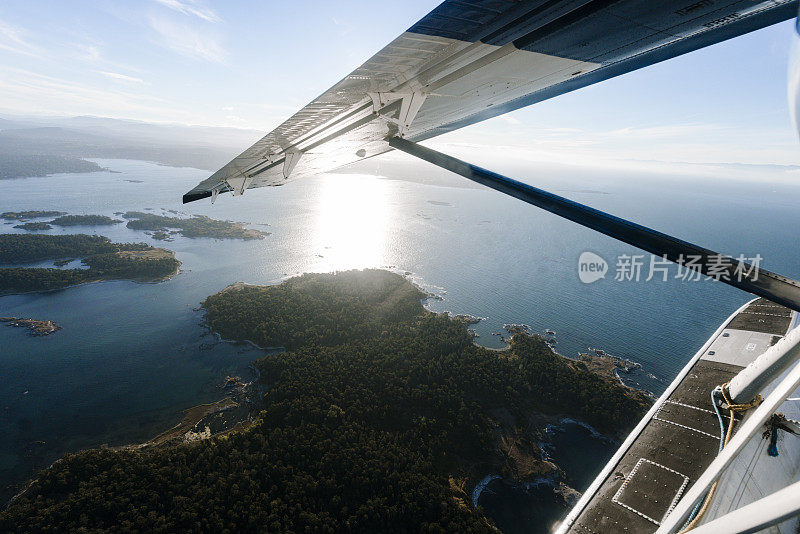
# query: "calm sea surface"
132,356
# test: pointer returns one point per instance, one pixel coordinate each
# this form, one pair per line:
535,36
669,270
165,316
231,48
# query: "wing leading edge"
471,60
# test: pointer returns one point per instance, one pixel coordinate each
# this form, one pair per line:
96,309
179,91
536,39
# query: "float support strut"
734,272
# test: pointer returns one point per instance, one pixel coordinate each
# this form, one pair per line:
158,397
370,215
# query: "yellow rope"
707,500
733,408
739,407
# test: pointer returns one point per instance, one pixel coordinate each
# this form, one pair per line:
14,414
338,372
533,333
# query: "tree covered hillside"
380,417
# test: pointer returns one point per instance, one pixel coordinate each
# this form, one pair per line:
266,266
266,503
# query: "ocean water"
132,356
535,507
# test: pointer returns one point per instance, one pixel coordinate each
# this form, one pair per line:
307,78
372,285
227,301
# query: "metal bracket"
239,184
409,107
381,100
215,191
408,110
265,154
290,161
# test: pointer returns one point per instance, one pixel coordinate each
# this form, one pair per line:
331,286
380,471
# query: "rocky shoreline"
526,461
550,477
529,452
35,327
604,364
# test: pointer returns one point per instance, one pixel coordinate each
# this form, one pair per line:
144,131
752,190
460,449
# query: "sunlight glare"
352,223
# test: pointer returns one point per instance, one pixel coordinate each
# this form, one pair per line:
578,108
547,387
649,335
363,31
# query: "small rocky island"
378,413
34,326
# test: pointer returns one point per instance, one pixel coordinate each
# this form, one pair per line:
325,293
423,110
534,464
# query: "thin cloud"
187,41
121,77
26,91
93,53
12,39
88,53
666,131
344,28
190,7
683,147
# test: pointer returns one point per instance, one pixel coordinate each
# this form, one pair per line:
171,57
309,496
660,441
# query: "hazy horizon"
212,65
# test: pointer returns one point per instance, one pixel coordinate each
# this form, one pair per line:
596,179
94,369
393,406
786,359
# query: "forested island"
104,260
23,139
192,227
14,165
160,227
24,248
84,220
61,219
34,226
380,416
29,214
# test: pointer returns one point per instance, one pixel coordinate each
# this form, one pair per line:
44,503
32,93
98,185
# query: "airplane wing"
470,60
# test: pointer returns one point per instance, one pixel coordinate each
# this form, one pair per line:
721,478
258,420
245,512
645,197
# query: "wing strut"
736,273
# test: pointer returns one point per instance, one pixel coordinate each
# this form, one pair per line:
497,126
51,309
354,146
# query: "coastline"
606,366
220,339
209,330
192,417
544,422
556,479
520,460
165,278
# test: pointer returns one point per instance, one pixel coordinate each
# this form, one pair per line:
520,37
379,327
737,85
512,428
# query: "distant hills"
40,146
14,165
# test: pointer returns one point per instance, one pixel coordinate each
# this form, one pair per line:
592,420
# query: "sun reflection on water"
352,226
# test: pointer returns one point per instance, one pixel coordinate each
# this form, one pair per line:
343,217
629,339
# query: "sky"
253,64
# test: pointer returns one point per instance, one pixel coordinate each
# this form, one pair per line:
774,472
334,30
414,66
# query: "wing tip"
191,197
